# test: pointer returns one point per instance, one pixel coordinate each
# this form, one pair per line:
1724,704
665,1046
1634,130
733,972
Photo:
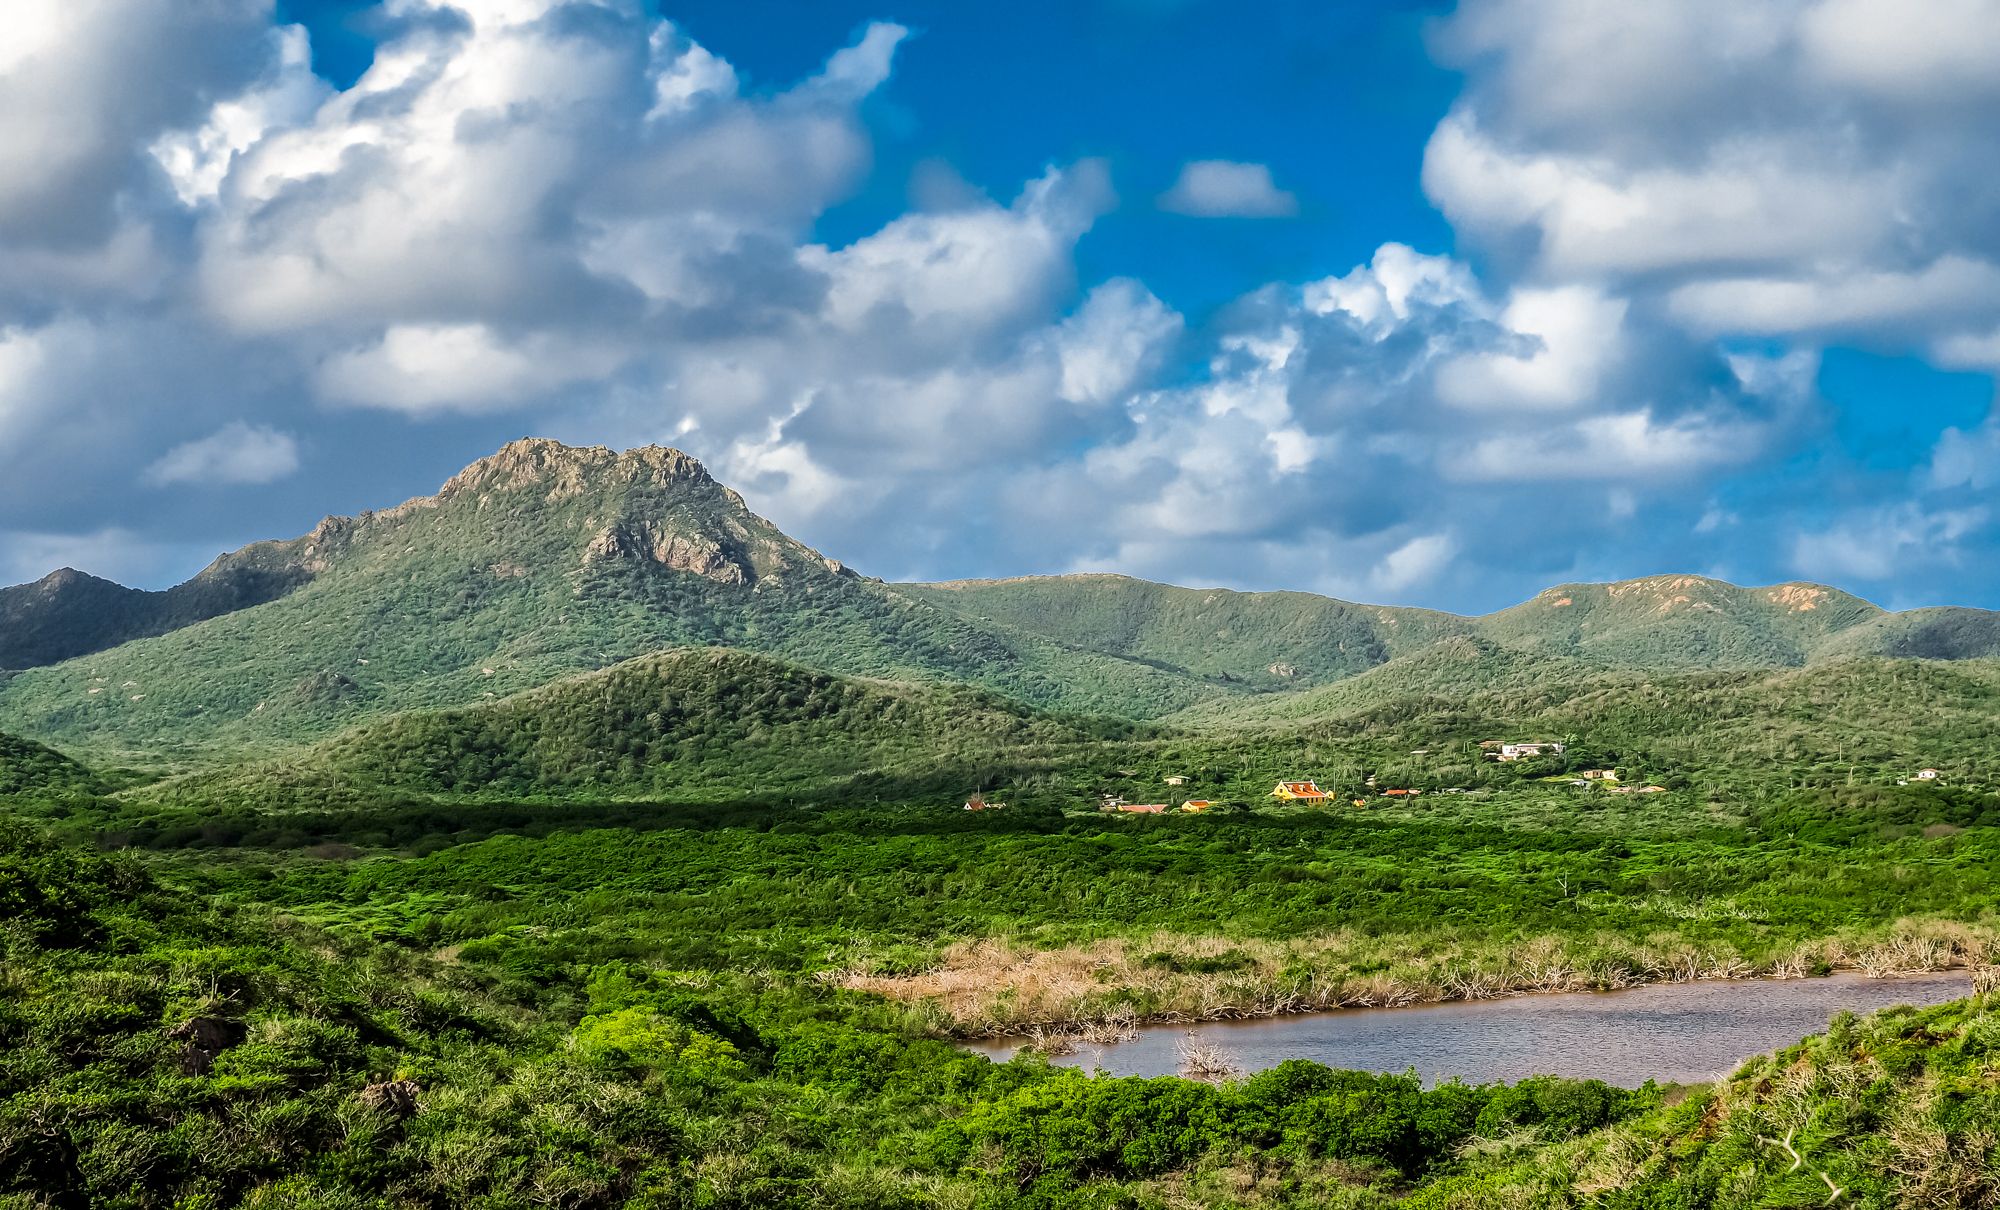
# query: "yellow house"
1298,791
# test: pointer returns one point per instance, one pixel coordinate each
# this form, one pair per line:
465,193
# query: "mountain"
1449,670
1257,640
531,565
67,613
1282,641
1687,622
544,561
693,725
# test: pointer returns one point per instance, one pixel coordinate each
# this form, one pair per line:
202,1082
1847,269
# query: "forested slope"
705,724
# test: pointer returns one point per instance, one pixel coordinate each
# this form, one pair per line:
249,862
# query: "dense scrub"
159,1048
695,725
1901,1109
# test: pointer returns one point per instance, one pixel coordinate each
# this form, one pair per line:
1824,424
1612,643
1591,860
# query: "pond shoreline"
1099,1029
1686,1032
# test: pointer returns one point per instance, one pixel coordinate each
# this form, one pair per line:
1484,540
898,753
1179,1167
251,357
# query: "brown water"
1681,1033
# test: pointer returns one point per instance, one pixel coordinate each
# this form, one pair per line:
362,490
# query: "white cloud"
1856,301
1573,337
420,368
1802,166
196,160
1415,562
1881,543
1939,51
86,87
575,214
1227,189
1113,341
237,453
1964,459
1382,293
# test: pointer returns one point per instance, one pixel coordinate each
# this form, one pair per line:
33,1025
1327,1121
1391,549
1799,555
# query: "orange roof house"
1402,793
1141,808
1299,791
1196,805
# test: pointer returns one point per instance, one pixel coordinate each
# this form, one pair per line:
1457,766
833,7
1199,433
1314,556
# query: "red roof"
1142,808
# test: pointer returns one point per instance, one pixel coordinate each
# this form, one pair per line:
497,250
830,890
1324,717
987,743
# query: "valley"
575,837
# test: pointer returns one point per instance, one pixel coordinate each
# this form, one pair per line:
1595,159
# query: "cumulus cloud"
1807,167
234,454
88,85
1227,189
1882,543
569,216
420,368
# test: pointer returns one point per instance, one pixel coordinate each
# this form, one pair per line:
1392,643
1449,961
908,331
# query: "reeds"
1095,993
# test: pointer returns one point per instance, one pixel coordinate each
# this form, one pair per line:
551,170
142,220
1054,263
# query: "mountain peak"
567,470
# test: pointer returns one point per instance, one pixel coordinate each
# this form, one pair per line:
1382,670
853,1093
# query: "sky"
1408,302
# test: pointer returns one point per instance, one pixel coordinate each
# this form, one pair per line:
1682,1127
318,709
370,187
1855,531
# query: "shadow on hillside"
406,827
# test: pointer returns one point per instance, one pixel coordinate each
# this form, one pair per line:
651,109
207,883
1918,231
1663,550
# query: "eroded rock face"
694,554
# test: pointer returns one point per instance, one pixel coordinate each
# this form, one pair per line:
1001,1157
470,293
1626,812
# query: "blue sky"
1423,303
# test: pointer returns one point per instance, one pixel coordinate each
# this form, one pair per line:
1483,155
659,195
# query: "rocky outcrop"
393,1099
563,472
203,1039
691,553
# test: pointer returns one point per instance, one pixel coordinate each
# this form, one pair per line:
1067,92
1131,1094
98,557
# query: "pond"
1682,1033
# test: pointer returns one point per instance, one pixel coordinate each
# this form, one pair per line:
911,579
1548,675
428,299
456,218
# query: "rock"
691,553
396,1099
205,1038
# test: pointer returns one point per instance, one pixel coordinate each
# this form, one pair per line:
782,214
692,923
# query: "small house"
1928,775
1176,780
1141,808
1196,806
1401,793
1526,751
1600,775
978,803
1298,791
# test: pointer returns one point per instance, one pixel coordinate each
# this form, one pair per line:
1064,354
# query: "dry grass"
1201,1059
1098,991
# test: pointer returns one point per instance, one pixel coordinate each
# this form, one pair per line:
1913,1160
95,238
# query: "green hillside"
535,564
544,561
1447,671
686,726
1731,733
1260,640
29,768
1281,640
1667,622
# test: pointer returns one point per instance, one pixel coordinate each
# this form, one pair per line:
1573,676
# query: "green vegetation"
28,768
165,1049
575,838
544,561
689,726
1894,1110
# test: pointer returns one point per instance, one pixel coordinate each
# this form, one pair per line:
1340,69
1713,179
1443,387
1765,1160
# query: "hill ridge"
543,559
